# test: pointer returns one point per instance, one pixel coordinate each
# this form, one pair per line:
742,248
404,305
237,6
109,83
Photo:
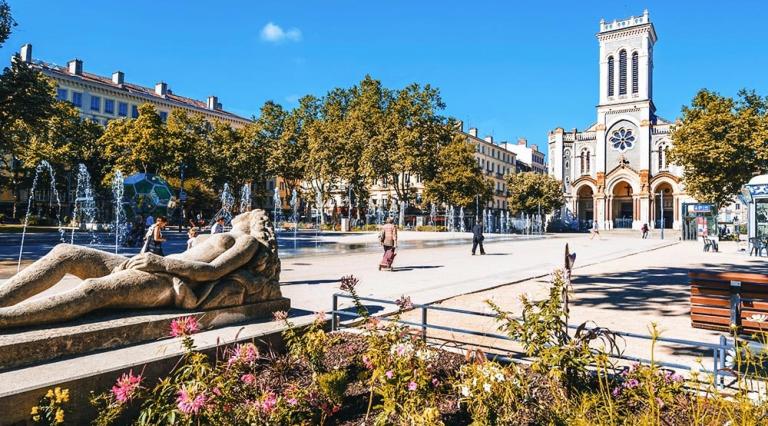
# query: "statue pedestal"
26,346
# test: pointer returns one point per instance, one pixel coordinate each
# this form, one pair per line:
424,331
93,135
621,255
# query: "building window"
109,106
622,139
163,116
122,109
623,72
95,103
61,94
77,99
584,161
134,111
635,82
663,151
610,76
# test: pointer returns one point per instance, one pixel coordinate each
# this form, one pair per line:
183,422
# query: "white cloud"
273,33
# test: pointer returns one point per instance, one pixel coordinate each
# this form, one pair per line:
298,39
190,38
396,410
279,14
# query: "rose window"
622,139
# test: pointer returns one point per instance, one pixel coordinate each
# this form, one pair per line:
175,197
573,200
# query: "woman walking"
154,239
388,238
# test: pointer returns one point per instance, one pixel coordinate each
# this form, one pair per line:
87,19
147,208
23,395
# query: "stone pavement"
623,294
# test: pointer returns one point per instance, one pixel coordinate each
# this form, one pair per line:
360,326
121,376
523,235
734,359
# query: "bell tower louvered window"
610,76
623,72
635,70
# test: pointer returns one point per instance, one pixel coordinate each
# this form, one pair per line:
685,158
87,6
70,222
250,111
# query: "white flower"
758,318
487,387
696,368
730,358
474,382
465,391
425,354
499,377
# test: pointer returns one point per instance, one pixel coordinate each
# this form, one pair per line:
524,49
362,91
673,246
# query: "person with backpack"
153,240
644,229
388,239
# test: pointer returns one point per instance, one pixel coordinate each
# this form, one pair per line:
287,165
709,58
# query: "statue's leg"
123,289
82,262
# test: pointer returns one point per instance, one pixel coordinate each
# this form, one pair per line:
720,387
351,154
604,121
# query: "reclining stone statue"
222,270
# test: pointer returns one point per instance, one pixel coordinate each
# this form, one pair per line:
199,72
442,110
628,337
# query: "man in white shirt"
218,227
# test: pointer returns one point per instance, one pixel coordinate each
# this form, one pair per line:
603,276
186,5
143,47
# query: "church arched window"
623,72
635,70
610,76
663,152
584,161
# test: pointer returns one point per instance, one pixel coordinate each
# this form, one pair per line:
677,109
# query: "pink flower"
412,386
126,386
181,327
246,353
320,316
367,362
348,283
389,374
269,403
248,378
280,315
188,403
435,382
292,401
404,303
216,391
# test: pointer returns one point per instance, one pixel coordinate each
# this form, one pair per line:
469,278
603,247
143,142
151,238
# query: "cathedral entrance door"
623,210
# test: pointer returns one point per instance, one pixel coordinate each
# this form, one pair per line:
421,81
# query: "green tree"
409,138
187,135
325,146
721,143
529,190
139,145
6,22
459,180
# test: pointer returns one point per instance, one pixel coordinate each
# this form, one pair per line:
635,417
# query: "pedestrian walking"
218,227
192,234
478,237
388,239
645,230
594,231
154,239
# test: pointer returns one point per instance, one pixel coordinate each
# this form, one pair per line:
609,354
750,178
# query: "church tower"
626,60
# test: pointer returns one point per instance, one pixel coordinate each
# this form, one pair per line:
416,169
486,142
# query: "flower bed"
385,374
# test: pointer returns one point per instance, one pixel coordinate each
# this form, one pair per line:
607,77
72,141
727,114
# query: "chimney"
26,53
460,125
161,88
488,139
473,131
213,103
535,147
75,67
522,141
118,77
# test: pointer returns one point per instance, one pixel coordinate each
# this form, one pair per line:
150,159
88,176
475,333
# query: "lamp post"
661,211
182,195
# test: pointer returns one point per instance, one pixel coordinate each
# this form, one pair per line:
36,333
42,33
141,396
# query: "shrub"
431,228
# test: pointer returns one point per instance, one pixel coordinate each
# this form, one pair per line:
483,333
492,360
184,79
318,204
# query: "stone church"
616,171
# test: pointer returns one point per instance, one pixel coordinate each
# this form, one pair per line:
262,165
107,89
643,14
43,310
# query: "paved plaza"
621,281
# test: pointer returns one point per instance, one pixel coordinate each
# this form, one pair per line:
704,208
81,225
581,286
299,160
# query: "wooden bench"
719,300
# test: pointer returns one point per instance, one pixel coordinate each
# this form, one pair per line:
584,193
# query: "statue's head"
254,222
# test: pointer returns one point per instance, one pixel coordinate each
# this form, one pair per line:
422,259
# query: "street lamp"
182,195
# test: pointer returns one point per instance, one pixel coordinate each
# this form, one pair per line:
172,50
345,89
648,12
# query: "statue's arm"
232,259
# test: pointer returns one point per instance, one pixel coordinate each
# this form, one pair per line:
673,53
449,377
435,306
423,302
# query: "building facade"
494,161
616,171
529,158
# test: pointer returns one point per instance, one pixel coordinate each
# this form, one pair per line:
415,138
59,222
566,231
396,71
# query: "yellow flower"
59,416
61,395
49,395
34,410
36,418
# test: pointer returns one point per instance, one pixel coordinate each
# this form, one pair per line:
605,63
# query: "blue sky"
510,68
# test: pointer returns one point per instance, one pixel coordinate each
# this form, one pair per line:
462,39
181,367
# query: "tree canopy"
459,180
529,190
721,143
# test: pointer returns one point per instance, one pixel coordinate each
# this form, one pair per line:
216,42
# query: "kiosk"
755,196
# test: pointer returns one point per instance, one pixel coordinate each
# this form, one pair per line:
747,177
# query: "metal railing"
719,350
